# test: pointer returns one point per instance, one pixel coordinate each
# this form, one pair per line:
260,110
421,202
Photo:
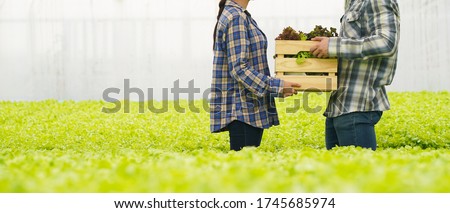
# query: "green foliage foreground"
52,146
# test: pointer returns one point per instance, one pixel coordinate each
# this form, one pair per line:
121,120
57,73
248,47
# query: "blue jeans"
354,129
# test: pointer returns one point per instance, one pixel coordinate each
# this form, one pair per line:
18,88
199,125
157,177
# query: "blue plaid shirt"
242,88
367,51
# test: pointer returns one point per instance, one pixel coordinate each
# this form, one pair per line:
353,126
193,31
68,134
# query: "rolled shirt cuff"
333,47
276,87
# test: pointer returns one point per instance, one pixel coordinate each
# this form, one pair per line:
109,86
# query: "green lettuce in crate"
290,34
302,56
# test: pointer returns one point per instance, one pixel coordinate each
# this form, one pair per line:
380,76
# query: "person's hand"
320,50
289,88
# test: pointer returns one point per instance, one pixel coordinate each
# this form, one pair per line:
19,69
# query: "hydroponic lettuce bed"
53,146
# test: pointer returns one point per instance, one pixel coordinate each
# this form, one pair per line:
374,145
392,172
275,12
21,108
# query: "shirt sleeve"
238,51
383,42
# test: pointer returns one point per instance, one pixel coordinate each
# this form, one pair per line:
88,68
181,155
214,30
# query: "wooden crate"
314,74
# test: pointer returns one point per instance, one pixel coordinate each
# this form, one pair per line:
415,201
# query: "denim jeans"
354,129
243,135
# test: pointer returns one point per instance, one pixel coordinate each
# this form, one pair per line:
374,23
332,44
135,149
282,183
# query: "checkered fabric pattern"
242,88
367,50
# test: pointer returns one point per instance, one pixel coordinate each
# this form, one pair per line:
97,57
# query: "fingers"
289,89
320,55
293,91
289,92
288,95
323,54
316,52
292,84
320,50
296,85
314,48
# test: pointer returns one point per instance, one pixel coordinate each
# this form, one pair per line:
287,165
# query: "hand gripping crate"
314,74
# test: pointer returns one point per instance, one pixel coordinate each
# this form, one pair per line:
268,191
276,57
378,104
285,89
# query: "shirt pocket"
353,21
352,26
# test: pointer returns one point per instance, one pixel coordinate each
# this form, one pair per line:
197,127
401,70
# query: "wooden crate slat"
286,68
293,47
311,65
314,83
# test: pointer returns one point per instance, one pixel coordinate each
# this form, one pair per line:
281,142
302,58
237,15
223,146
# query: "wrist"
333,47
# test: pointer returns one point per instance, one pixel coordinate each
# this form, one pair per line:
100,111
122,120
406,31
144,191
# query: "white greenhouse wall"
75,49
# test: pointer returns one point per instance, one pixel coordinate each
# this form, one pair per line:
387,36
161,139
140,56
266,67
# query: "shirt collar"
231,3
